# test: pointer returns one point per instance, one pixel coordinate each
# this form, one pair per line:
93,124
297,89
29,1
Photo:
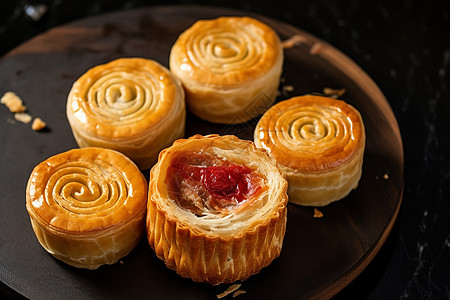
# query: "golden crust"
318,143
87,206
225,247
229,66
132,105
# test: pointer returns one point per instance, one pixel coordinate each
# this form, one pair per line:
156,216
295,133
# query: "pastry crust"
318,143
218,246
132,105
87,206
230,68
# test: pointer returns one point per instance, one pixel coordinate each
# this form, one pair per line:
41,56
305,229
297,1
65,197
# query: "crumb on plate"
13,102
317,213
23,117
333,93
238,292
286,89
229,290
292,41
38,124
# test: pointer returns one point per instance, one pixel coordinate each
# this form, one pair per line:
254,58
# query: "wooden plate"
319,257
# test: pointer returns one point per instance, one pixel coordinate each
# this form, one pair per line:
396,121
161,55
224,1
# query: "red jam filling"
202,182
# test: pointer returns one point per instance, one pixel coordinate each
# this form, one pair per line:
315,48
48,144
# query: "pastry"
230,68
132,105
318,143
87,206
216,209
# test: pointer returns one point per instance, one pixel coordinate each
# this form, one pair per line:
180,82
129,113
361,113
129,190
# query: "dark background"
405,47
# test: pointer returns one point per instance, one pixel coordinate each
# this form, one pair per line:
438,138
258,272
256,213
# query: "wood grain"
319,257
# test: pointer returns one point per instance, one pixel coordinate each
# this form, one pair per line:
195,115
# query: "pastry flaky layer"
87,206
230,68
224,237
318,143
132,105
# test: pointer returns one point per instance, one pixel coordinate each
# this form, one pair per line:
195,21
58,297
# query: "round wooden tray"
319,256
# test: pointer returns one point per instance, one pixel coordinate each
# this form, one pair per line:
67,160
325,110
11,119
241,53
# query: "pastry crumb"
38,124
23,117
233,288
238,292
292,41
333,93
13,102
286,89
15,105
316,48
317,213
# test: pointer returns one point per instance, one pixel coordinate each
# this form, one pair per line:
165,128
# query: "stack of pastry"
230,68
318,143
87,206
132,105
216,209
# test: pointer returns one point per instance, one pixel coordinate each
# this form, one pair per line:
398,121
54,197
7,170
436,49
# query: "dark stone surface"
405,47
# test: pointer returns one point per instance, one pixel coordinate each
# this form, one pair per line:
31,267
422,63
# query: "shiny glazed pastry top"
87,206
230,67
318,143
132,105
210,196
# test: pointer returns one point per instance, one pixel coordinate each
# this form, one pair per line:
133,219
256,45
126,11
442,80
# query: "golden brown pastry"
216,208
230,68
87,206
132,105
318,143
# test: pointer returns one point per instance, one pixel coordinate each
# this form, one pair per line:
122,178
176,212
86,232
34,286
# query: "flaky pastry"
132,105
217,208
318,143
87,206
230,68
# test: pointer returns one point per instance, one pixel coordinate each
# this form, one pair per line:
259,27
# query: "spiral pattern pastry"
230,68
132,105
87,206
216,209
318,143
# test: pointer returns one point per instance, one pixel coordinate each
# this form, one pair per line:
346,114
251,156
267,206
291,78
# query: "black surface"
404,47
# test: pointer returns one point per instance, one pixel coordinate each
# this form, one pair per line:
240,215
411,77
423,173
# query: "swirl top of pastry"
226,51
123,98
311,133
85,189
259,207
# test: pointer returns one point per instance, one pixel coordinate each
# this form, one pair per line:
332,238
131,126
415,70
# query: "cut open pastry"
230,68
217,209
318,143
87,206
132,105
